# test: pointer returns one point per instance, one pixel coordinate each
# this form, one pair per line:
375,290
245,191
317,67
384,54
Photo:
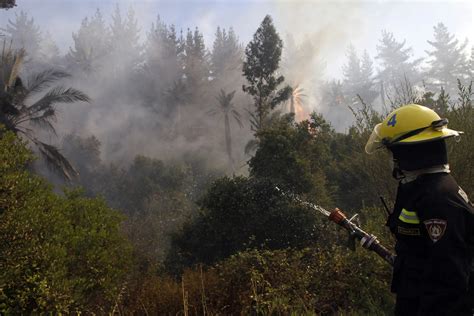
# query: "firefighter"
432,219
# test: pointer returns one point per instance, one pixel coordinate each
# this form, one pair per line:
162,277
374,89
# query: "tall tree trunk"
292,104
177,120
382,94
228,141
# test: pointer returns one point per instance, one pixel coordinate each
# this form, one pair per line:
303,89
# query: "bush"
279,282
325,279
58,254
238,214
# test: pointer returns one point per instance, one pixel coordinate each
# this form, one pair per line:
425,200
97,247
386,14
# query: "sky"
332,25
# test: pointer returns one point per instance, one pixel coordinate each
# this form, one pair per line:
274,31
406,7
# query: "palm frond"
236,113
225,99
44,79
251,146
10,62
6,106
237,117
15,67
230,96
221,96
55,160
212,112
44,120
58,95
254,125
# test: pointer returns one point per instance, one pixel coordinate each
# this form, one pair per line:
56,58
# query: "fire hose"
367,241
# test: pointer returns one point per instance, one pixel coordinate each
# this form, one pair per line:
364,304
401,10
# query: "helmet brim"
430,135
375,141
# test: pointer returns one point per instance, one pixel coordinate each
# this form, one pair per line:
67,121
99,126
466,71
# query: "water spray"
296,198
368,241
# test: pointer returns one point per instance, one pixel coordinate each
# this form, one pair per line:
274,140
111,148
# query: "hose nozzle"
337,216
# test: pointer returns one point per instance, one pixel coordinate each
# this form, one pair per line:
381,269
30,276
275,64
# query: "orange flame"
296,104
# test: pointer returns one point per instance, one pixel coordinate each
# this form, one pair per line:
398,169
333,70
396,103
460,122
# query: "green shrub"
238,214
57,254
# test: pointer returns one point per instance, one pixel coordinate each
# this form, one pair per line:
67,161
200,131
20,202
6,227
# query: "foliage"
396,61
126,51
262,58
308,281
19,115
440,102
163,50
91,44
244,248
156,196
294,155
226,107
85,153
359,81
7,4
237,214
226,54
470,65
461,150
447,59
360,179
58,254
195,60
24,34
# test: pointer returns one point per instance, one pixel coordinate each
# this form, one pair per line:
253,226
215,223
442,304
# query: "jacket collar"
414,174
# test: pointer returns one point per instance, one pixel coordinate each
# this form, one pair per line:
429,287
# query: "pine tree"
226,54
24,34
262,58
368,91
162,67
49,50
217,56
352,72
297,58
333,94
91,44
358,77
470,69
447,59
396,62
163,49
125,36
336,103
195,60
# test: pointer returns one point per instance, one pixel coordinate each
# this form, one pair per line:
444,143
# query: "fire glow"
296,104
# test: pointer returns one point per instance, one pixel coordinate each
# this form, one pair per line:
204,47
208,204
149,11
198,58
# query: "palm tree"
25,106
226,107
296,100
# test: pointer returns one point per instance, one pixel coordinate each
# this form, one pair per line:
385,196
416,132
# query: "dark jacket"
433,221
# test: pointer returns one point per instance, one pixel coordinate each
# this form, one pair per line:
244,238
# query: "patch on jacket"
464,195
409,231
435,228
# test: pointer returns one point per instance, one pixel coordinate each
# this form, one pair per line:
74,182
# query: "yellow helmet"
409,124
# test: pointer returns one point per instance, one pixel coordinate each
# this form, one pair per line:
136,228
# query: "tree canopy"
262,59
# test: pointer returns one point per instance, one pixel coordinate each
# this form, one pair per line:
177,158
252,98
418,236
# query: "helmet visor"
375,141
